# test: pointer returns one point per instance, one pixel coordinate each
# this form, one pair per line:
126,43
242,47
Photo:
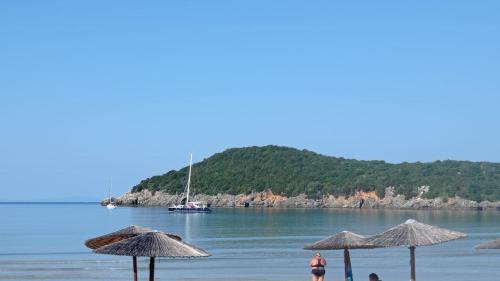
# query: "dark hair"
373,276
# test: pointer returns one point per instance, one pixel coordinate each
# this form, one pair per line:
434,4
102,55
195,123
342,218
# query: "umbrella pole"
412,264
134,267
151,268
347,265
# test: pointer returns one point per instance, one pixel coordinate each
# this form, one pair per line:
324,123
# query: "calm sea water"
45,242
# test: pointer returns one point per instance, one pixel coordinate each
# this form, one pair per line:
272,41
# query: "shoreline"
48,202
488,210
268,199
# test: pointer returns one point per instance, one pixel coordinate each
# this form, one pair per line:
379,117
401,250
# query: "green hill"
291,171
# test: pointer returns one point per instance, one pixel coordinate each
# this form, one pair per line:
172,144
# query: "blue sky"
96,89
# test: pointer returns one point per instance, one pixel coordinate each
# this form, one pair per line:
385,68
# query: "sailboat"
110,204
187,206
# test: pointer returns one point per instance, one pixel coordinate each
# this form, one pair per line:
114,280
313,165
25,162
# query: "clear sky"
96,89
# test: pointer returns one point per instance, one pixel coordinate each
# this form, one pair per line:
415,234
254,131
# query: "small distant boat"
187,206
110,204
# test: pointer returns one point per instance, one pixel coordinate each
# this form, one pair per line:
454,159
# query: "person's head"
317,255
373,277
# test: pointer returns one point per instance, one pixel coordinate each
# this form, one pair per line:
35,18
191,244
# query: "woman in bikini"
318,264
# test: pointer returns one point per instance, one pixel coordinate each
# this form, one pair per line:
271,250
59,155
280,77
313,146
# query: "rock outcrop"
267,198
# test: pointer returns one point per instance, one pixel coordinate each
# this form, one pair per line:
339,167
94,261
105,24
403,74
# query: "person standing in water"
317,264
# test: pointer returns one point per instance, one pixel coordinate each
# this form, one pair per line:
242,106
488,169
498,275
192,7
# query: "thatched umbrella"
344,240
495,244
125,233
412,234
152,244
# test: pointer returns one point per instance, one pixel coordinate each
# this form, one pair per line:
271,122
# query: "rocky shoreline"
268,199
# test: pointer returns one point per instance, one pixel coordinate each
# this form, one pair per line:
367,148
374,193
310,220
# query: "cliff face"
368,200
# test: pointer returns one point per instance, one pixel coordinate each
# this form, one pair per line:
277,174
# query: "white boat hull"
190,210
110,206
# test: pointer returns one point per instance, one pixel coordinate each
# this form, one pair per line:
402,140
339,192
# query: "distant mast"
189,177
110,190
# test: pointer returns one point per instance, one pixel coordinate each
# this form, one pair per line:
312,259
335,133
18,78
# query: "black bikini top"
319,264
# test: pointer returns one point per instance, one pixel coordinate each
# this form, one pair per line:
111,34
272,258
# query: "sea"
45,241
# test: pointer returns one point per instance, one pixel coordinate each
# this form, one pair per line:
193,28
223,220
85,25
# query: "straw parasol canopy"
495,244
124,233
152,244
344,240
340,241
412,234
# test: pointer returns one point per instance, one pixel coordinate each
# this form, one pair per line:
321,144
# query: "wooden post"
152,269
345,264
412,264
134,267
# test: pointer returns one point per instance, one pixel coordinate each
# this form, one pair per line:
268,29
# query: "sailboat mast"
189,177
110,189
